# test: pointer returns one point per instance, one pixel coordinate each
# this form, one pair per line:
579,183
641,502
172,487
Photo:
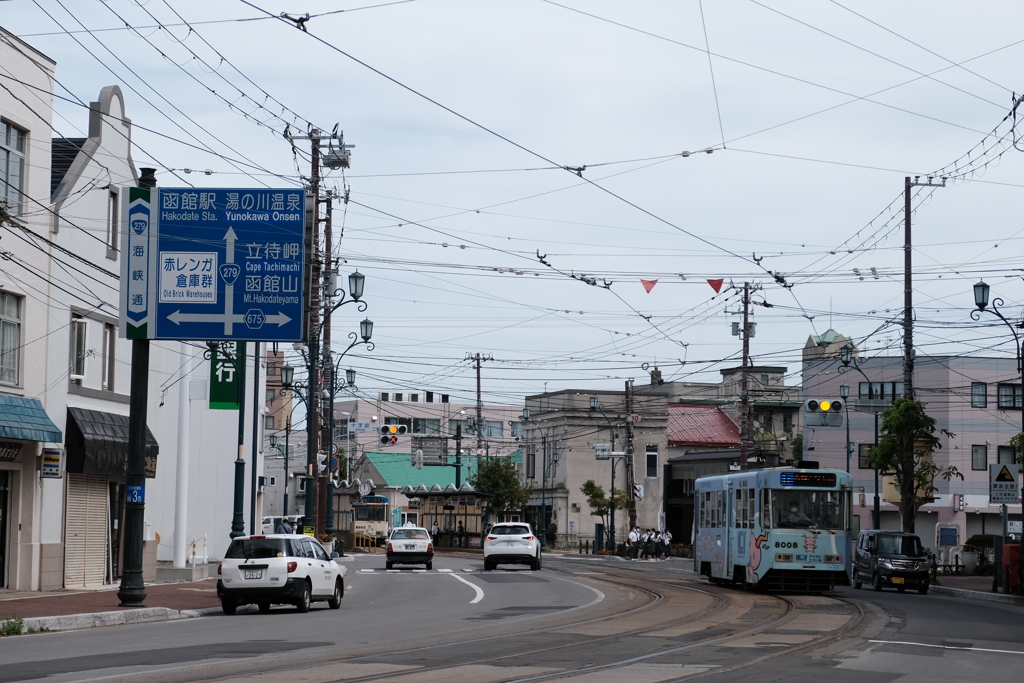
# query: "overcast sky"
727,139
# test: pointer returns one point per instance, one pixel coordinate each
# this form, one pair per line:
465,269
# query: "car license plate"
897,579
410,546
510,544
253,574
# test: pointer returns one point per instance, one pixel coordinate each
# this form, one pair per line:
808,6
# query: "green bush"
12,627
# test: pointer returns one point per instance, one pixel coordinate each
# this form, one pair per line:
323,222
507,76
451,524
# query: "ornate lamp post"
844,393
542,532
313,378
846,356
594,405
981,292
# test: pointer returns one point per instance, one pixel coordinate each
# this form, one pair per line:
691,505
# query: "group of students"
650,544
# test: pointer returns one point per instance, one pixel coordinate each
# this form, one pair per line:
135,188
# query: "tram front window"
803,509
370,513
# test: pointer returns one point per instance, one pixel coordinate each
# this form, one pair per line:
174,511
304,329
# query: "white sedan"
278,568
410,545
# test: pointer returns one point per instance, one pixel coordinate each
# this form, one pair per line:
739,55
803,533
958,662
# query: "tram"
781,529
370,520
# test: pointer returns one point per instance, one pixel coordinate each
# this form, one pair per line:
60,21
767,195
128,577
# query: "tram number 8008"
786,544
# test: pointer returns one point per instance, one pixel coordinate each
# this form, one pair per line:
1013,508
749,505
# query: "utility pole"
313,350
908,286
325,491
479,399
630,475
745,381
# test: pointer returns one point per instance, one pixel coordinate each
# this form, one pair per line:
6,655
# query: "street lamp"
981,292
594,405
543,531
356,281
844,393
846,356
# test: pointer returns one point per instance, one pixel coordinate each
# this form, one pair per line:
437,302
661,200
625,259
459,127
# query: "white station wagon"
278,569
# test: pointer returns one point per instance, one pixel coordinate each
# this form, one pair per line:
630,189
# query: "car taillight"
292,566
527,538
219,567
430,547
492,538
257,537
390,549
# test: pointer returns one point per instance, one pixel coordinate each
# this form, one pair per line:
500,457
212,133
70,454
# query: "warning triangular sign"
1004,475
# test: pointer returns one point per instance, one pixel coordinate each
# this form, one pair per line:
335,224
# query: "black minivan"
890,558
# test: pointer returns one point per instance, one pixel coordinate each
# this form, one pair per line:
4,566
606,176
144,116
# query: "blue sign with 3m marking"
228,264
135,494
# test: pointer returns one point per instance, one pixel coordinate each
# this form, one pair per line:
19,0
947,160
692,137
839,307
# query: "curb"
70,622
978,595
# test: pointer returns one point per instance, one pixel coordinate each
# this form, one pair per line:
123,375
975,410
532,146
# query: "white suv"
511,542
278,568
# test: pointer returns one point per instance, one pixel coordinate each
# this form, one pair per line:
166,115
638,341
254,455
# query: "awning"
97,443
25,419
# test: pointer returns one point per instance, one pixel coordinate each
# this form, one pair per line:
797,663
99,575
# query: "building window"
531,463
426,426
10,338
453,426
414,398
398,398
979,457
272,369
79,350
652,460
1009,395
880,391
1005,455
384,396
271,395
109,346
268,422
863,450
516,430
787,423
494,428
12,167
112,213
273,481
302,484
979,395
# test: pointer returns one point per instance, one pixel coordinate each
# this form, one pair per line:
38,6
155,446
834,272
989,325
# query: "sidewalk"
975,588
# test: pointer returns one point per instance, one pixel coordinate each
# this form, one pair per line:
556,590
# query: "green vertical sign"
225,370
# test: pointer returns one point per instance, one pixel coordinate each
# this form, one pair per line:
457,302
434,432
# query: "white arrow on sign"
178,317
229,288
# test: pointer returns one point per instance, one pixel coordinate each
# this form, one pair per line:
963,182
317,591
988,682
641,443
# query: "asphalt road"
590,619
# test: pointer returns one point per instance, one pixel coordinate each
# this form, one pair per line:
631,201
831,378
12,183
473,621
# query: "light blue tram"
782,528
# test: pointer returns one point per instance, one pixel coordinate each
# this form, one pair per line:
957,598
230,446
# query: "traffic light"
321,462
638,491
824,412
389,434
417,459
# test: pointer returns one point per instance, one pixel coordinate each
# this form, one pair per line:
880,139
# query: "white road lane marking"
479,591
444,571
948,647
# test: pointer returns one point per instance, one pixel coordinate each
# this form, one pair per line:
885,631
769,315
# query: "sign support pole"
132,591
238,519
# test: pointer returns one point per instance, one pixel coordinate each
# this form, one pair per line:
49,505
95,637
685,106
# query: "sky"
520,167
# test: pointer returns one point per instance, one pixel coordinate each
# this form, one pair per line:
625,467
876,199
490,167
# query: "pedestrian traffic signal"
417,459
824,412
321,462
389,434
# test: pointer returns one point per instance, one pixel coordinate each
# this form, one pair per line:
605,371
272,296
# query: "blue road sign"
228,264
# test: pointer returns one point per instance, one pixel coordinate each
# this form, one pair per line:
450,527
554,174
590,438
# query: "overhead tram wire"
761,68
875,54
143,97
510,141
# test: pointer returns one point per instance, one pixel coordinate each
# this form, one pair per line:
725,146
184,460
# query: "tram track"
685,628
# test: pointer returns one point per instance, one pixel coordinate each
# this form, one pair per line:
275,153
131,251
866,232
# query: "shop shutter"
85,531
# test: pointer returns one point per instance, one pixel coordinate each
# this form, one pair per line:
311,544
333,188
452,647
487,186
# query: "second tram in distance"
783,528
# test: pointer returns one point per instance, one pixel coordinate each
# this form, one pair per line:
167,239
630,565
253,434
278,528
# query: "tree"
796,447
906,441
598,501
498,480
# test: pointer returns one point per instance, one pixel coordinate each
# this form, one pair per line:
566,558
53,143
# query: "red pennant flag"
716,285
648,284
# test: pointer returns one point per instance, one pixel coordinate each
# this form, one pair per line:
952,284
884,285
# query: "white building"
64,372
